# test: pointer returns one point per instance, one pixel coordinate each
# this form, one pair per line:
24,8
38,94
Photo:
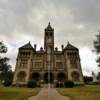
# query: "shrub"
69,84
59,85
7,83
94,83
32,84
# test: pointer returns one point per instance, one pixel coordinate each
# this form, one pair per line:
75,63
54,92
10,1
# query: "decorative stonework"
33,64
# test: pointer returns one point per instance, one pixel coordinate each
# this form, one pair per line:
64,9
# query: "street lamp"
49,61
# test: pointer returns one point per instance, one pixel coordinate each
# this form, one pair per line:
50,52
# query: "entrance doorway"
35,76
46,80
61,77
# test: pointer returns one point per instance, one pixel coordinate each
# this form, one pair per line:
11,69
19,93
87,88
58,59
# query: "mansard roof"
26,46
49,27
70,47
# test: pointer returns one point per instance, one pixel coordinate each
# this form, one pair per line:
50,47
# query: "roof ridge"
70,46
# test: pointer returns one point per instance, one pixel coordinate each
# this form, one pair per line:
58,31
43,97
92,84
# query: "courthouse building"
35,64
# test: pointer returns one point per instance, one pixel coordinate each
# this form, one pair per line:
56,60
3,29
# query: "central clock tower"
49,47
49,37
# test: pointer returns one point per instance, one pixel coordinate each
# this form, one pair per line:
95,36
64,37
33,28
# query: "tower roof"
49,27
26,46
70,47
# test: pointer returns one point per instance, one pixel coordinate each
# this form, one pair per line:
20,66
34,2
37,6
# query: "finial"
29,42
67,42
49,23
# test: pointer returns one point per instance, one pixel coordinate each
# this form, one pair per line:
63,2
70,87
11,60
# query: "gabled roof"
70,47
26,46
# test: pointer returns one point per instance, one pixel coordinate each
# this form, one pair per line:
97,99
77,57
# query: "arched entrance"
61,77
46,80
35,76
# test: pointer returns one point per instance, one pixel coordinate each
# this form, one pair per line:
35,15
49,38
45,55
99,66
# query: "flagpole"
49,60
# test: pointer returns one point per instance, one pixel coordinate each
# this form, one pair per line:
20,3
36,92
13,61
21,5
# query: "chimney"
62,46
56,49
35,46
41,49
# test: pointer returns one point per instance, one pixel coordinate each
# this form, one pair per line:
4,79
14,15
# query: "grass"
82,93
12,93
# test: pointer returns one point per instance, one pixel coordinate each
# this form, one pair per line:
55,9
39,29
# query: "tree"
88,79
5,68
97,47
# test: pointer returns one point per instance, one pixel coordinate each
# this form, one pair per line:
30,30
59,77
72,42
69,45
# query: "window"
23,63
58,57
38,57
73,63
21,76
75,76
59,65
37,65
25,54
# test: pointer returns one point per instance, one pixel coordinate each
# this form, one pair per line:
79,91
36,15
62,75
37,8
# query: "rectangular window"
59,65
23,63
38,57
73,63
59,57
37,65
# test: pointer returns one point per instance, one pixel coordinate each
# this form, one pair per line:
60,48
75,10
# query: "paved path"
43,95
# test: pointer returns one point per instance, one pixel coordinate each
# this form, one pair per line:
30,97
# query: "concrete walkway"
43,95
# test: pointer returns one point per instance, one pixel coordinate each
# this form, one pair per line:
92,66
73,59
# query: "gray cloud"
76,21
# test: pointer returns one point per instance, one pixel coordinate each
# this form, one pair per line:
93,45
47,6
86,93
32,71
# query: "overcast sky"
76,21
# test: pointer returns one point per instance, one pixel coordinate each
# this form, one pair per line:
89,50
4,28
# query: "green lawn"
82,93
12,93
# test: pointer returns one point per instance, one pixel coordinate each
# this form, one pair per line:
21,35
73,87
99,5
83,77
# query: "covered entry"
35,76
48,77
61,77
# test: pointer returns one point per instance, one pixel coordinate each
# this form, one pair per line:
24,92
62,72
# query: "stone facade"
61,65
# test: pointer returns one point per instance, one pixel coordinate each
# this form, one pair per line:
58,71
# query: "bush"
7,83
59,85
32,84
94,83
69,84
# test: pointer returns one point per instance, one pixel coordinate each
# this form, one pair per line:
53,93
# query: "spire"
49,27
68,42
49,24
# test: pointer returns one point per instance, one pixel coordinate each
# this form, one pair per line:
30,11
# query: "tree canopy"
97,47
5,68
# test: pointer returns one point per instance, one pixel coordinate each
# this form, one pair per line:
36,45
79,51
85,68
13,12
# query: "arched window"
21,76
75,76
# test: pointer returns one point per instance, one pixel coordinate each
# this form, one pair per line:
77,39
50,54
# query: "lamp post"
48,82
49,61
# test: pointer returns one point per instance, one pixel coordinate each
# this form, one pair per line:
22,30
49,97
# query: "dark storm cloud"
76,21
